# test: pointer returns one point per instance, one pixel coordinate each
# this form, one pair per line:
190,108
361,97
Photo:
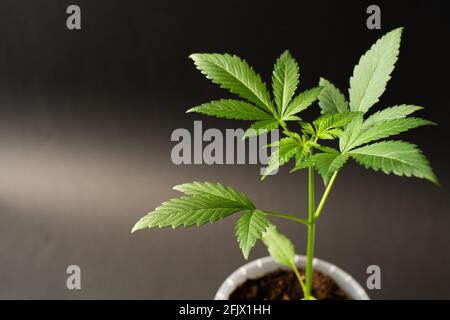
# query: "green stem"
311,234
325,196
287,216
299,277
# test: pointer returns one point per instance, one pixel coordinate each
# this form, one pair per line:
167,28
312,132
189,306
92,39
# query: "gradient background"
85,126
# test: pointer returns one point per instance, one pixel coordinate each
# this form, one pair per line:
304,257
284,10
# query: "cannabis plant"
348,122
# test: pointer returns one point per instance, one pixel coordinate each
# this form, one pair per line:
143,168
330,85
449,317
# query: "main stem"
311,233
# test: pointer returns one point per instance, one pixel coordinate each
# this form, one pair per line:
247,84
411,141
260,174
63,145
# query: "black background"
85,125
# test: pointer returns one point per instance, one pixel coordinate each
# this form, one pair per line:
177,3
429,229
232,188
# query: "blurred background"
85,124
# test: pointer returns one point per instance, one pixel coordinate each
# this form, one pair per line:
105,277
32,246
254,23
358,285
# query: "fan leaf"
279,246
302,101
328,163
398,157
331,100
351,133
395,112
285,79
385,129
249,229
231,109
261,127
234,74
373,71
205,202
328,126
287,149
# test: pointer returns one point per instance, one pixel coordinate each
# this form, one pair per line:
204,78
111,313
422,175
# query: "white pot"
263,266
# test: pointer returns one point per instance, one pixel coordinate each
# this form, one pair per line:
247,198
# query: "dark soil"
283,285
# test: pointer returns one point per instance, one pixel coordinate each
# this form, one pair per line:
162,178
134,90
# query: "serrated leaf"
234,74
330,134
328,163
326,125
302,101
326,149
302,157
300,164
308,128
331,100
249,229
385,129
373,71
284,80
279,246
231,109
351,133
218,190
398,157
261,127
287,148
205,202
395,112
292,118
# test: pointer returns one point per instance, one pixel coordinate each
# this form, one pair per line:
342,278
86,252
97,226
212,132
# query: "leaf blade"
395,112
302,101
398,157
387,128
279,246
331,99
326,124
373,70
260,127
234,74
231,109
328,163
285,78
205,202
287,149
351,133
249,229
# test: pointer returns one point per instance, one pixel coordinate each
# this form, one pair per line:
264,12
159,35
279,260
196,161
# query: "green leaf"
385,129
327,126
287,148
302,154
284,80
328,163
249,229
205,202
308,128
350,133
216,190
302,101
395,112
261,127
373,71
234,74
231,109
291,118
398,157
300,164
326,149
331,100
279,246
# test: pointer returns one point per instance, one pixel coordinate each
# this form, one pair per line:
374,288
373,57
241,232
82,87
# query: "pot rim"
262,266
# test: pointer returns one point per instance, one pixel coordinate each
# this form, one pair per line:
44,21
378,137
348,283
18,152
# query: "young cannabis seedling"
342,120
